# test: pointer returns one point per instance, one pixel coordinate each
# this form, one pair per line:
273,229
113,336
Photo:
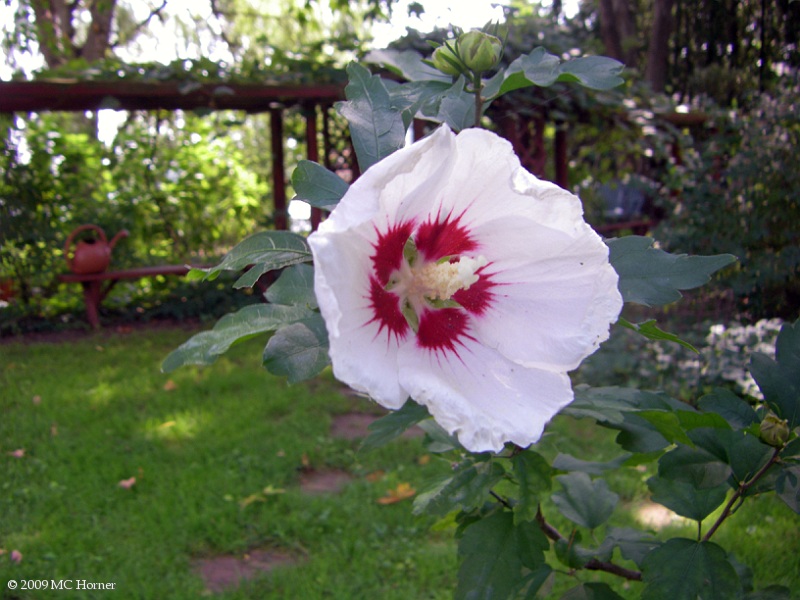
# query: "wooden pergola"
81,96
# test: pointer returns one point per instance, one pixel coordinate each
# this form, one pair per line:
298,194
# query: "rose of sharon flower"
449,274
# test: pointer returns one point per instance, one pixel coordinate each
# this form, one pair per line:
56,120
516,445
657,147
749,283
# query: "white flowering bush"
459,291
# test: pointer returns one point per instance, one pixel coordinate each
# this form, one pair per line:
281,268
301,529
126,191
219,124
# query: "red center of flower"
428,280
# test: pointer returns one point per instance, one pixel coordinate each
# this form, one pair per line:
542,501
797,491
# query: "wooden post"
312,153
560,151
278,169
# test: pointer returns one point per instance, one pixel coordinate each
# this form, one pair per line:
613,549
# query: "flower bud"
774,430
479,51
446,61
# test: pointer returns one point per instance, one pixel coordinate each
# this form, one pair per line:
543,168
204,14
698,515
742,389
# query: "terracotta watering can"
92,255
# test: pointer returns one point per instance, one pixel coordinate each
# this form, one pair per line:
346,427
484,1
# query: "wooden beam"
79,96
280,215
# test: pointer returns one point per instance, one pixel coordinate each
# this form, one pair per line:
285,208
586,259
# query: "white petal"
554,300
362,356
482,397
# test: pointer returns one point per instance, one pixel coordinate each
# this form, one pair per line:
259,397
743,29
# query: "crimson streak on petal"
386,308
389,250
436,239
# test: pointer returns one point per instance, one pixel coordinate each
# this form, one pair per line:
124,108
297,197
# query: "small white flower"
449,274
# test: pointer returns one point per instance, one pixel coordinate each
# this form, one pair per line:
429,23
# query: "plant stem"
501,500
609,567
546,528
593,564
477,84
737,495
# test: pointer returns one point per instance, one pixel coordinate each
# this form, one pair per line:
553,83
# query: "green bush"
740,196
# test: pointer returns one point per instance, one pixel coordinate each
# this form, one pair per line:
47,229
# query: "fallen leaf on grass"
127,484
270,490
244,503
37,400
170,386
401,492
424,459
375,476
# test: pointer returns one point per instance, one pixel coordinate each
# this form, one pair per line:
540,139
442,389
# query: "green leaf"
745,453
685,499
695,466
407,64
610,404
583,501
639,435
738,413
265,251
457,108
779,379
632,543
683,569
591,591
294,287
466,489
650,330
493,552
387,428
594,72
570,553
298,351
437,440
772,592
540,68
565,462
535,580
652,277
317,186
787,487
533,474
376,128
668,424
204,348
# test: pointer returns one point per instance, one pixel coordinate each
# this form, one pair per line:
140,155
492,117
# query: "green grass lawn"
203,445
218,454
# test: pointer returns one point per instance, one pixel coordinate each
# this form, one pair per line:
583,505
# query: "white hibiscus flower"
449,274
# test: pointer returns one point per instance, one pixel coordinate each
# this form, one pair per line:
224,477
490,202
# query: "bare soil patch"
222,573
330,481
353,426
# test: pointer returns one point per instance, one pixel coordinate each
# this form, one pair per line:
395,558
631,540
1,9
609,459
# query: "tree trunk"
99,39
658,52
56,32
618,30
